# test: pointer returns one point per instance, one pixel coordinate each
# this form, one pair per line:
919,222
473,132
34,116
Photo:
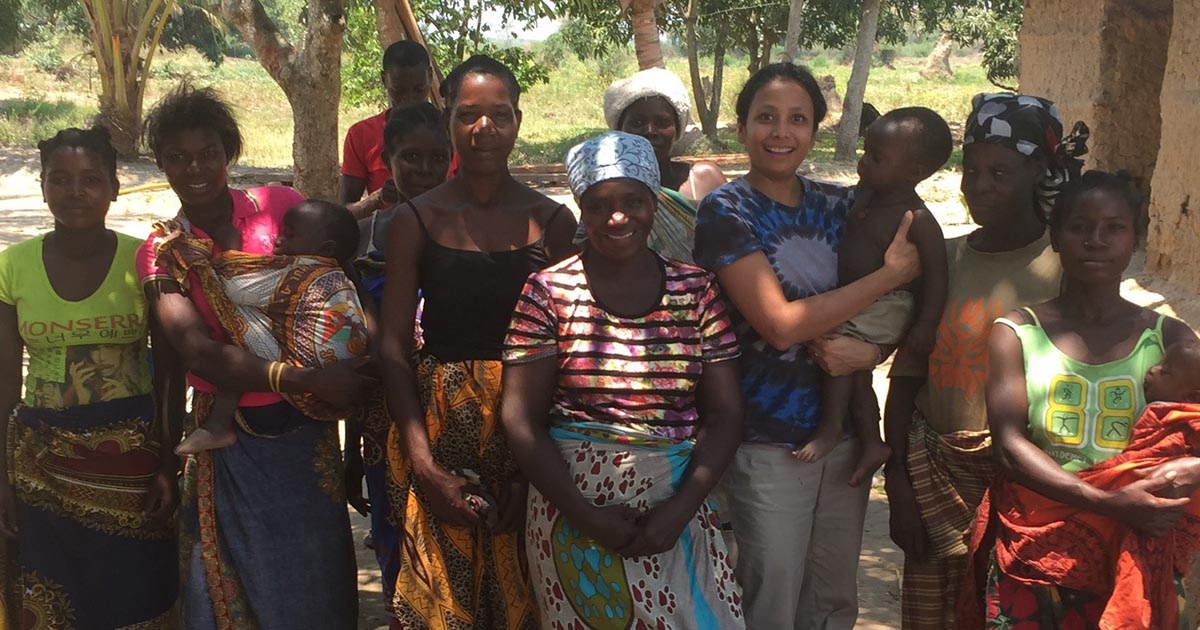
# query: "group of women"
551,447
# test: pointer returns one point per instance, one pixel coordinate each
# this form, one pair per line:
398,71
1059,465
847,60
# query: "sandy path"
23,214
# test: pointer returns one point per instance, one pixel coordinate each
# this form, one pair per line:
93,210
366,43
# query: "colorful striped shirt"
636,371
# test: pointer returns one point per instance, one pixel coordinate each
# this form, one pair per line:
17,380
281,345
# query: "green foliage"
994,25
10,32
199,24
25,121
453,32
46,56
361,56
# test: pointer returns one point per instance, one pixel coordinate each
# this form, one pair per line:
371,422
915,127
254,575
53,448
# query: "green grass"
25,121
557,114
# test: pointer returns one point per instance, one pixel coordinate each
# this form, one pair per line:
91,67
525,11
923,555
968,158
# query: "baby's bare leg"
217,430
864,411
835,399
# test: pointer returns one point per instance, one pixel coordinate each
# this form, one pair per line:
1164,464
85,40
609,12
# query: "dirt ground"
146,198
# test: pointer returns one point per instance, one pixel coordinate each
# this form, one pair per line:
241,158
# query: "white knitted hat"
651,82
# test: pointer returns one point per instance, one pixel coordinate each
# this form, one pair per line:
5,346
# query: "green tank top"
1080,413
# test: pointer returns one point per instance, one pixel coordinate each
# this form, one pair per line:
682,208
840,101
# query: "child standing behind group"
901,149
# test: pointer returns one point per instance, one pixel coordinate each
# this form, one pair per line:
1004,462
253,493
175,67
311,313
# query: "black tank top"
470,295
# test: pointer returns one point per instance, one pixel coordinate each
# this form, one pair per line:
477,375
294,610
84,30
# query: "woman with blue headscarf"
622,406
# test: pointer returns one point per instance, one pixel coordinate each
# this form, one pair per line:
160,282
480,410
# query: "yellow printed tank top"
1079,413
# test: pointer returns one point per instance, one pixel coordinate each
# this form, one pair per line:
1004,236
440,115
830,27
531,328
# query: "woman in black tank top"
467,246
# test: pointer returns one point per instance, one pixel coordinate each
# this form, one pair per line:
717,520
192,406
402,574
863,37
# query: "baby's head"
903,147
1177,377
318,228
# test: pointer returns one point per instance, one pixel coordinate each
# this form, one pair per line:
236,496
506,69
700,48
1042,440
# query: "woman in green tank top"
1065,388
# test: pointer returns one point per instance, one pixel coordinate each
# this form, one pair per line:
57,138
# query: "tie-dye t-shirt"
782,389
638,371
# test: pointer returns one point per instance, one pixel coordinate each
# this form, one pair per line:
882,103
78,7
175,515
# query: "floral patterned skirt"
457,578
582,584
85,556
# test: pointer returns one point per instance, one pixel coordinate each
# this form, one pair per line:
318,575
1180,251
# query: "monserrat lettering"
86,324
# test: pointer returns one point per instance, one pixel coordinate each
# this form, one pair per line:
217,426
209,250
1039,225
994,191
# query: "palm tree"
646,44
124,37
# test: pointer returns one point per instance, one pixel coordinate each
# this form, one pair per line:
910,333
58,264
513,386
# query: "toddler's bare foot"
874,454
205,439
819,445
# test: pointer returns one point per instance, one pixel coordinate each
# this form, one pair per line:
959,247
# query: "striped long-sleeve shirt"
638,371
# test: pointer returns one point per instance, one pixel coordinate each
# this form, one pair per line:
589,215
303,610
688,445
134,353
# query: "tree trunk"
856,89
708,107
645,34
752,49
791,41
310,77
937,64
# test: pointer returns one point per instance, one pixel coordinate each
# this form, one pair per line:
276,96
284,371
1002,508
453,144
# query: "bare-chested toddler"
901,149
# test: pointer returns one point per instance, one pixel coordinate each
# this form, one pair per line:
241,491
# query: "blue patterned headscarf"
612,155
1033,127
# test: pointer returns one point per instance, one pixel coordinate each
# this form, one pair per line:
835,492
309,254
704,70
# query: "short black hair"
1120,183
404,120
929,139
781,71
187,107
339,226
98,140
406,54
480,64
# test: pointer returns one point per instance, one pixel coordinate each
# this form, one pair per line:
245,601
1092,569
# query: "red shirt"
362,153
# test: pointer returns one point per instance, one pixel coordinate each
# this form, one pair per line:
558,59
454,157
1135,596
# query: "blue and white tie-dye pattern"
782,389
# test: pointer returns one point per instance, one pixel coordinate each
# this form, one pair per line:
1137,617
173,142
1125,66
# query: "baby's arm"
926,234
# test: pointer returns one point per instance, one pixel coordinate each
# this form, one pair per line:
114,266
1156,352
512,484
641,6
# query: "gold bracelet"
279,377
273,373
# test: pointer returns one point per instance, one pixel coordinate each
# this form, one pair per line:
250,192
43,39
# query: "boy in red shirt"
406,76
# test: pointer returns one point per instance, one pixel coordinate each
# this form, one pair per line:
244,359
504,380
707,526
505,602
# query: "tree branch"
274,52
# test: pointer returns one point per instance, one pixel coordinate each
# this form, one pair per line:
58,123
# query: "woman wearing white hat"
655,105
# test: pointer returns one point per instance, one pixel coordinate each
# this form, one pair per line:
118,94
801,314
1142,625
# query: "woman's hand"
444,492
840,355
1137,506
353,480
162,497
614,526
510,514
659,529
901,257
904,516
342,384
8,511
1183,476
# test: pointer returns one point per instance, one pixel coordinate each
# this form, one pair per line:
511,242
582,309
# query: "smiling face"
420,160
778,131
654,119
618,215
484,123
1096,238
196,166
406,85
77,188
